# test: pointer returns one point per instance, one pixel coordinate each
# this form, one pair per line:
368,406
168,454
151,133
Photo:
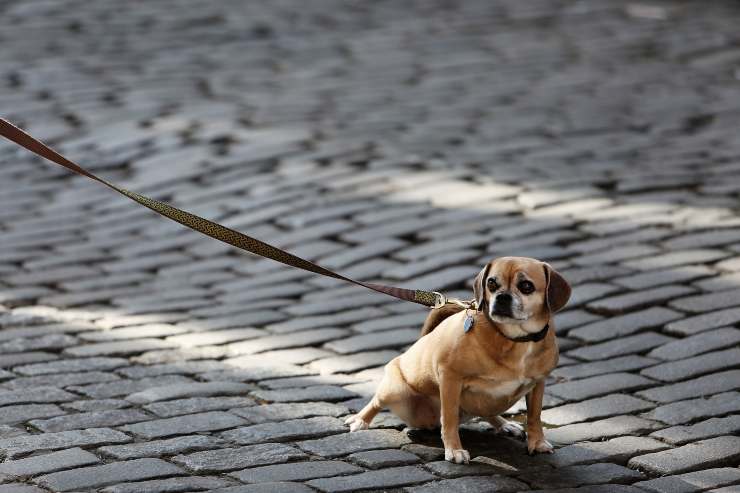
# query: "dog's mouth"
505,316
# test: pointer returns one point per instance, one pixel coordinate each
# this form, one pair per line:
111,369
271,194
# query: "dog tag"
468,324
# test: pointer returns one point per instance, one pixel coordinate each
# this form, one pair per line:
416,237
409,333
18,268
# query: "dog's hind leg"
394,393
362,420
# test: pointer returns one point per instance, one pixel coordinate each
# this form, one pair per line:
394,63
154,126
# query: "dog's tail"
436,316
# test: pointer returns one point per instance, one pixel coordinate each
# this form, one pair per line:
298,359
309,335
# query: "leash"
432,299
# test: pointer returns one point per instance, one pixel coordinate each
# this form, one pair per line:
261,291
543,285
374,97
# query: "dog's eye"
492,284
526,287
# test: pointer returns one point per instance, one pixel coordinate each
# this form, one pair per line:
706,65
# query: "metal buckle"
441,300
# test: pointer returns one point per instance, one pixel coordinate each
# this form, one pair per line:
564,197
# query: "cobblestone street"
406,143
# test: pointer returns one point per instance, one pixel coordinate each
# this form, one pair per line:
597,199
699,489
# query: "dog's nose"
503,299
502,305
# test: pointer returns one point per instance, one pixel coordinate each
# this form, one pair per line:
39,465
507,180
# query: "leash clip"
441,300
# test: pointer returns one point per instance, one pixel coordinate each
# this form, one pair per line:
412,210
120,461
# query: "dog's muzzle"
502,305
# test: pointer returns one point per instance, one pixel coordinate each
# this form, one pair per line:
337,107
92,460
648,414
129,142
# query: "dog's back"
436,316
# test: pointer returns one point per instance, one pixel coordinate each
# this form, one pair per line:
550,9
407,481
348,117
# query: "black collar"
536,337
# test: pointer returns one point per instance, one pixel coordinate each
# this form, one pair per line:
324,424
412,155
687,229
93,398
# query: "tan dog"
506,352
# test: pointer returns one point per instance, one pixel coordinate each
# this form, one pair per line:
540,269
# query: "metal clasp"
441,300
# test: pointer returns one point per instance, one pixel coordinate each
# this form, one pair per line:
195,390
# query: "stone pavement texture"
407,142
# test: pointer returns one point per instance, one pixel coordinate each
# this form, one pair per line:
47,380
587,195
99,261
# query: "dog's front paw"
356,423
541,446
457,455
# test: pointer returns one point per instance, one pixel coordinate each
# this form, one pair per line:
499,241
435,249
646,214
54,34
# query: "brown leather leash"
212,229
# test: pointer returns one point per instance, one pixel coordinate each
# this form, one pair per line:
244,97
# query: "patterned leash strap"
212,229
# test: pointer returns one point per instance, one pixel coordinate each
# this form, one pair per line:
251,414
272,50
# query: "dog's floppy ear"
479,286
558,289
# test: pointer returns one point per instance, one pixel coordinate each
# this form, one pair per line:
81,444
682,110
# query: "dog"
479,361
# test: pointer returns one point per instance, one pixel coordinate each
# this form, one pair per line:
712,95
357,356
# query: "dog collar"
536,337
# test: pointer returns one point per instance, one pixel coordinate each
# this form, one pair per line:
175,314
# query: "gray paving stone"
16,447
35,395
157,448
719,283
448,469
620,346
401,321
71,365
118,348
699,323
168,392
601,407
692,482
181,425
375,340
283,383
710,428
278,487
136,332
90,405
286,430
570,476
61,380
95,419
117,472
618,450
698,365
296,471
20,359
20,488
665,276
55,461
281,412
228,459
195,405
682,412
707,302
283,341
598,430
639,299
170,485
697,344
625,324
338,445
699,455
471,484
126,387
386,478
598,385
603,488
702,386
20,414
312,393
676,258
583,293
353,362
377,459
611,365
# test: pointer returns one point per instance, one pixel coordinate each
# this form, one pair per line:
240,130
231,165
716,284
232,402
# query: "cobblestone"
296,471
180,425
692,481
402,143
96,476
226,459
704,454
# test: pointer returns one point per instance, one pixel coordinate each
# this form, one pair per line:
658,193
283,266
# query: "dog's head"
516,290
